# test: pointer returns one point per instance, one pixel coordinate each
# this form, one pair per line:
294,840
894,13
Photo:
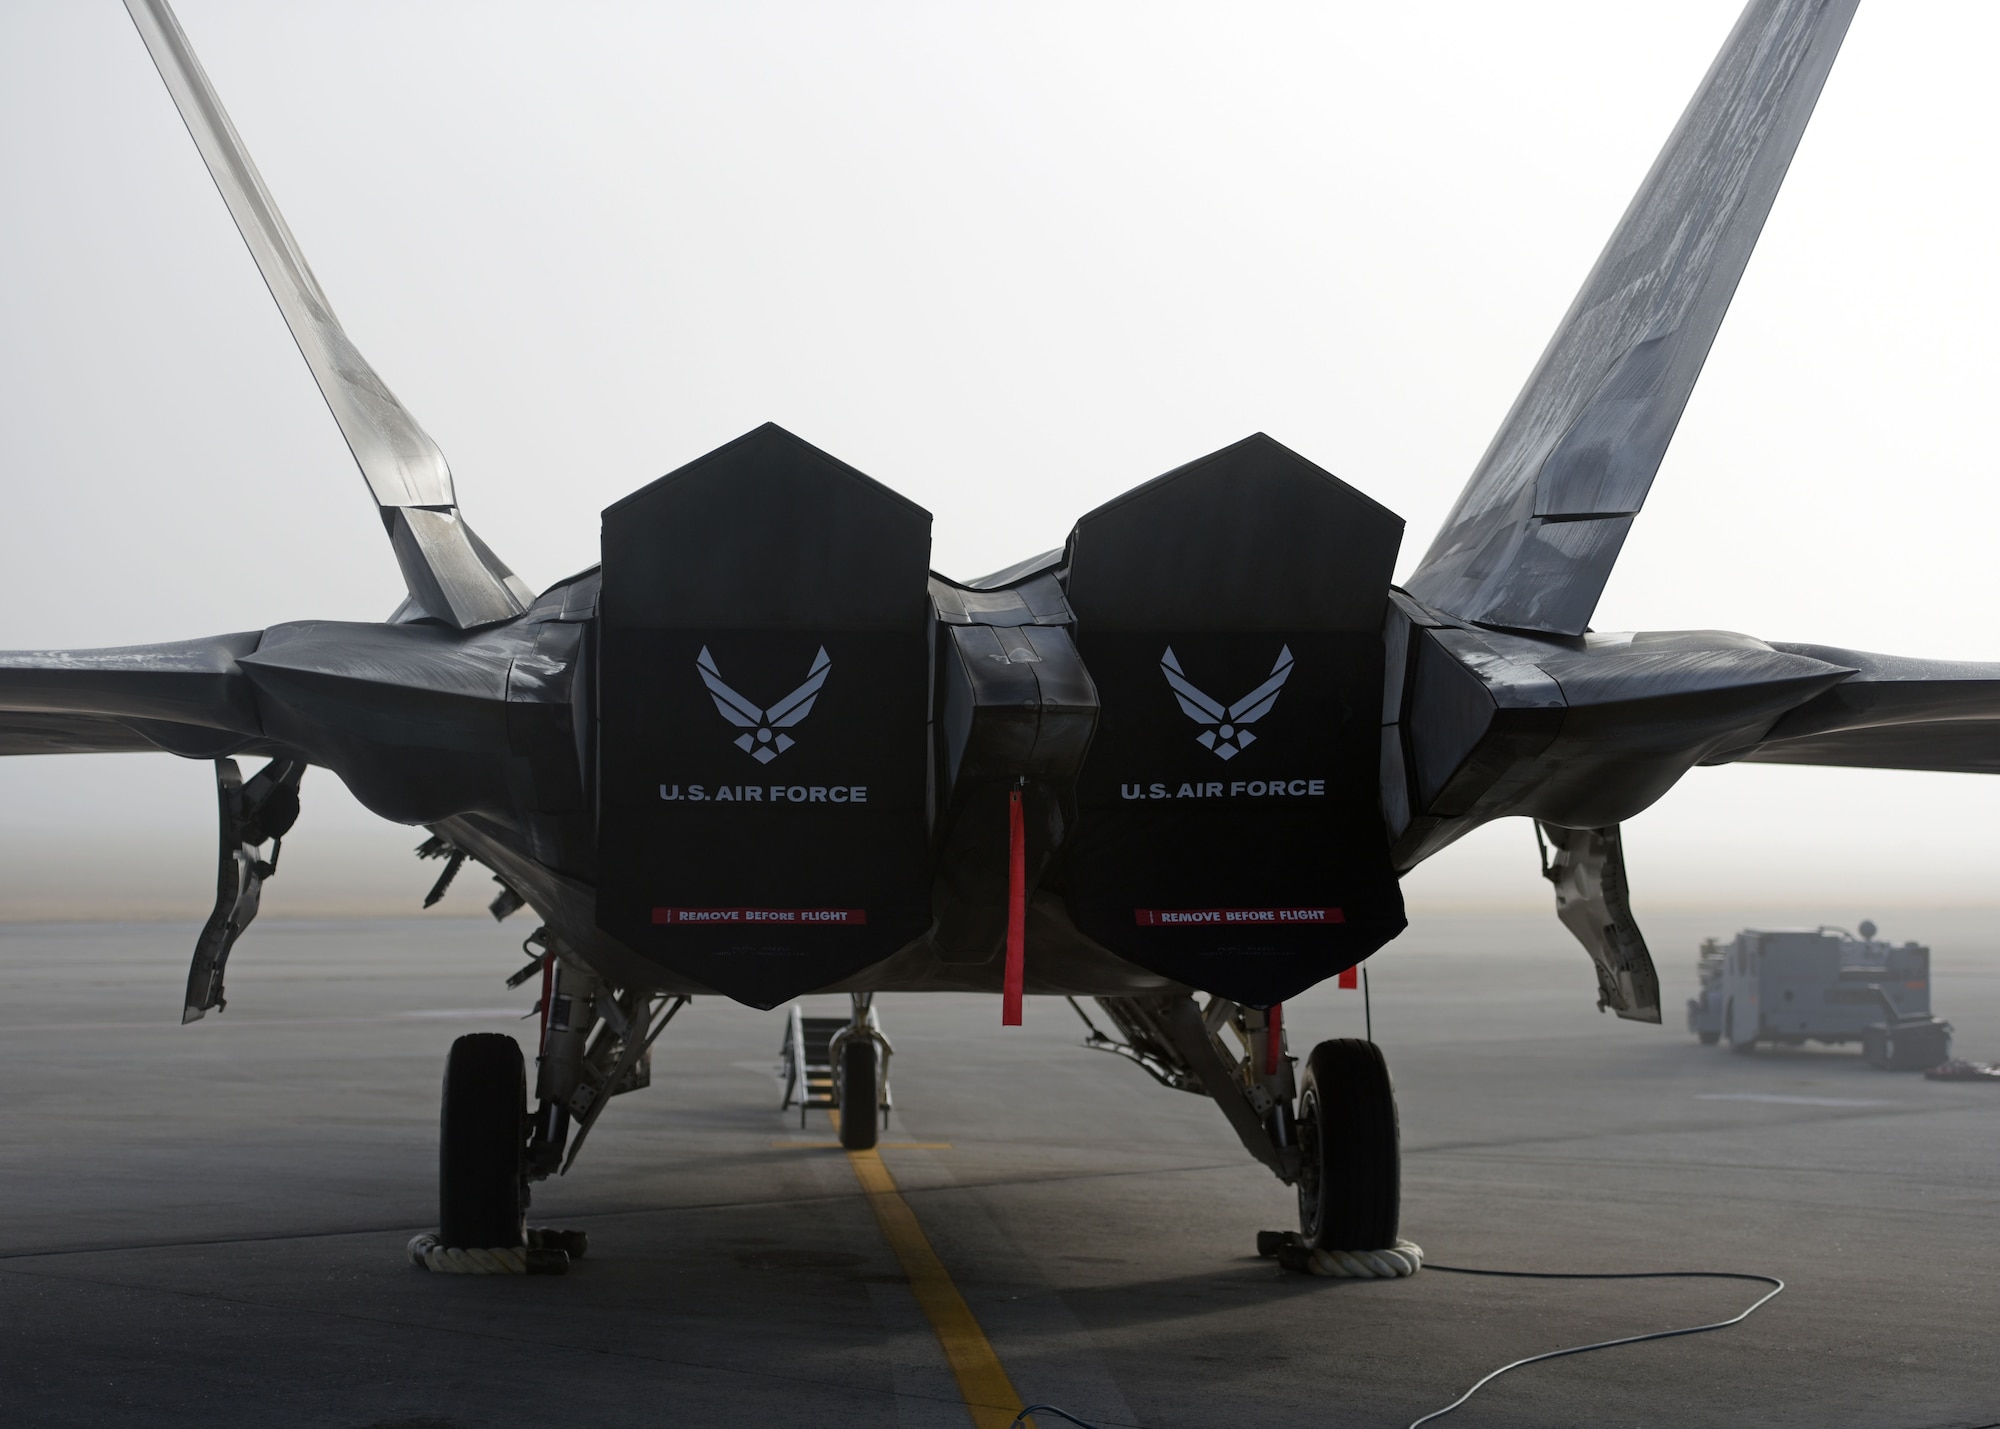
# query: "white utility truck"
1799,985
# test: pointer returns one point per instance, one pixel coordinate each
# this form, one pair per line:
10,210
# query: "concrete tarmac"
205,1225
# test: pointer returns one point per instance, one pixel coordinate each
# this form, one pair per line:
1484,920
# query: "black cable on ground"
1049,1409
1777,1289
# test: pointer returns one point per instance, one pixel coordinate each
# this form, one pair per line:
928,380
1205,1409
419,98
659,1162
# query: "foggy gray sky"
1010,260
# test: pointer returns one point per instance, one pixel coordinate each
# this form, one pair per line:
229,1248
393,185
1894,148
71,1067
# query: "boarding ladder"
808,1053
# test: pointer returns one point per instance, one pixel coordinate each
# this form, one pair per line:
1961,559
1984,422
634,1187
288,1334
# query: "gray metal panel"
189,682
1036,600
1396,812
1452,709
1477,720
1582,732
1046,562
1397,633
405,657
42,733
1047,599
1894,713
579,595
567,903
1644,709
1943,746
1587,867
962,605
414,719
1654,665
1558,570
455,580
450,572
1587,433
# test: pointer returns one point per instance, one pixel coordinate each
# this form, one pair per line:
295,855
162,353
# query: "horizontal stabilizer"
1892,713
187,697
1537,529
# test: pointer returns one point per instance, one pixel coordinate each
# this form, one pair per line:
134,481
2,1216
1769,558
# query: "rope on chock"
546,1252
1401,1259
1404,1258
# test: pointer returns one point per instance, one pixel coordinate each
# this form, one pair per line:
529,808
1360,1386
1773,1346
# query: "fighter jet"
1175,767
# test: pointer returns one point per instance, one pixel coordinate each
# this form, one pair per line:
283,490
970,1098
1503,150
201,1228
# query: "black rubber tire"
1350,1177
482,1144
860,1116
1709,1039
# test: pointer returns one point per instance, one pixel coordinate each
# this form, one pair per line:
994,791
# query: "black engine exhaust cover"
764,674
1229,832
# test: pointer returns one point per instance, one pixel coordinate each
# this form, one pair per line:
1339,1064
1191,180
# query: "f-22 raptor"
1177,766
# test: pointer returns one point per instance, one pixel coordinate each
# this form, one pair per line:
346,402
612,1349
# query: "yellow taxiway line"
989,1396
879,1146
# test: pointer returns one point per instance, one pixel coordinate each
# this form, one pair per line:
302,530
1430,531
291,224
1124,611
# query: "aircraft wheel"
482,1174
860,1114
1350,1174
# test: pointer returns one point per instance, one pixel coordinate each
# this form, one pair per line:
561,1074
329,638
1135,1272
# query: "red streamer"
1017,912
1274,1036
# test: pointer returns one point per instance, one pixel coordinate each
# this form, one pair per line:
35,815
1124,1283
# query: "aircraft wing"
1892,713
188,697
1534,535
451,574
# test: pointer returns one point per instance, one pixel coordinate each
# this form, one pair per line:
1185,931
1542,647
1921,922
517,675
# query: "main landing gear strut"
1330,1133
596,1042
483,1170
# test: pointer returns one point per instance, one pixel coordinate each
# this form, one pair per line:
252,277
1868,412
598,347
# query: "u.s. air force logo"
1225,734
763,738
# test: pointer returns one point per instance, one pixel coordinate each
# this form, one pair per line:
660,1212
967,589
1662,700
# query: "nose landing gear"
855,1083
842,1063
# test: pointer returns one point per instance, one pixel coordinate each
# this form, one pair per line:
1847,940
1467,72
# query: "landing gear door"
764,685
1229,832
